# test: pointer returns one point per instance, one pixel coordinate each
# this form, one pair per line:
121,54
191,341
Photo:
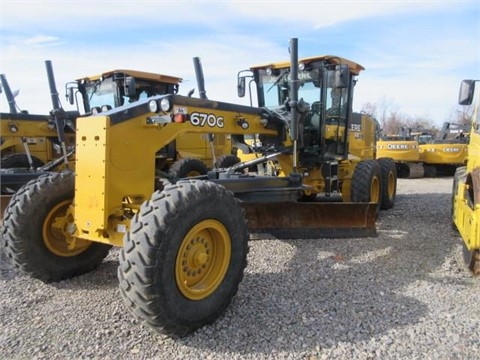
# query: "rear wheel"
35,237
389,182
184,257
187,167
367,183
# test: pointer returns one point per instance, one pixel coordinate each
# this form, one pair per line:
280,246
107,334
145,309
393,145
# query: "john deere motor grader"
184,246
465,208
333,140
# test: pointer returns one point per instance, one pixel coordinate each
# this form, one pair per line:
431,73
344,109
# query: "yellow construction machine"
403,148
330,135
441,155
185,243
465,207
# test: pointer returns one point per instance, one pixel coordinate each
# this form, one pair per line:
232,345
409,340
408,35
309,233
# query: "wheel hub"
203,259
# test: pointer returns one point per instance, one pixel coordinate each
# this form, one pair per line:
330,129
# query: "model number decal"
201,119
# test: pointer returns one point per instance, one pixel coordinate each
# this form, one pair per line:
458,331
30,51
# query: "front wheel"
367,183
35,232
184,257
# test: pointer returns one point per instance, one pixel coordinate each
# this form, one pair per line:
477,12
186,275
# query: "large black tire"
459,177
33,235
184,257
187,167
225,161
19,160
389,182
367,183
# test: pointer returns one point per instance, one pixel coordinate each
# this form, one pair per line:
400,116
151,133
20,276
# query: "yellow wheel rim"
375,190
55,232
391,184
203,259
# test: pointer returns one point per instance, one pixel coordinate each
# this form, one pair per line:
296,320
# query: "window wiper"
280,77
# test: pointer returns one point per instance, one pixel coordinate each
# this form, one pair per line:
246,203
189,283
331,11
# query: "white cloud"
42,40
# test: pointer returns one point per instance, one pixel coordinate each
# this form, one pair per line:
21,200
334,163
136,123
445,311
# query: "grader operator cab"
184,245
465,207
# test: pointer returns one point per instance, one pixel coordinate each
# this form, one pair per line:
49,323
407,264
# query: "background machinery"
418,153
185,244
404,149
442,154
465,207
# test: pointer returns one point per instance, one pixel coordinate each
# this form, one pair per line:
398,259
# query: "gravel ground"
401,295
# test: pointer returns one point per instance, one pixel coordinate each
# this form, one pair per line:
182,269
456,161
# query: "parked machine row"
419,154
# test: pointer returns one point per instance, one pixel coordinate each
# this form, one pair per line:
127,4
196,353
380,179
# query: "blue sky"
415,52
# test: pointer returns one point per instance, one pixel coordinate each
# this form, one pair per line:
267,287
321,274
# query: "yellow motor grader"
330,134
184,244
465,207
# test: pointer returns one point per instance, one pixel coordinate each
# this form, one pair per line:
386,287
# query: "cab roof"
332,59
136,74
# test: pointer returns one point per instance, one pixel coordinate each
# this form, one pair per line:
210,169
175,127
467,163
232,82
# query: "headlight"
301,66
152,106
165,105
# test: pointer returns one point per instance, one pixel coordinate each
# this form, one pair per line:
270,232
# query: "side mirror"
70,95
342,76
467,89
130,86
241,87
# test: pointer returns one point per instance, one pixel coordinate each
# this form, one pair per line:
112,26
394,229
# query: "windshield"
101,93
275,90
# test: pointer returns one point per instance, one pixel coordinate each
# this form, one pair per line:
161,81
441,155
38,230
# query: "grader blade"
298,220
